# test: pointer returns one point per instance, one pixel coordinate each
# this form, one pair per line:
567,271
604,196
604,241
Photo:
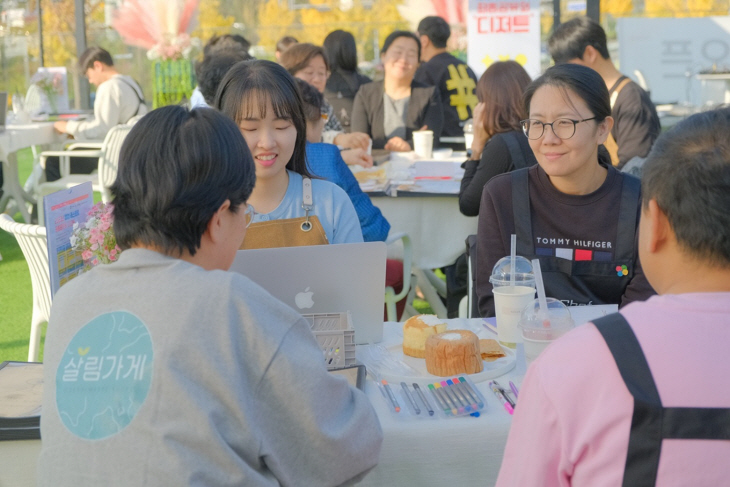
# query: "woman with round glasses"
391,109
573,211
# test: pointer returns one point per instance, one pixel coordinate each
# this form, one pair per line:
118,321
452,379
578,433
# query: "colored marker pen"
404,386
501,398
454,387
439,399
391,396
424,399
467,387
452,397
504,394
514,389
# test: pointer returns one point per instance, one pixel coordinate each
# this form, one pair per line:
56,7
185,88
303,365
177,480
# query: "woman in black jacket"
499,145
344,80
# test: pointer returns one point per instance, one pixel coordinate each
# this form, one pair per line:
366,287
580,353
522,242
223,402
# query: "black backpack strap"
651,422
645,439
137,91
515,151
521,212
628,212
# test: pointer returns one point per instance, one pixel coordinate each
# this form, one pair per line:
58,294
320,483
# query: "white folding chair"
409,280
102,179
32,241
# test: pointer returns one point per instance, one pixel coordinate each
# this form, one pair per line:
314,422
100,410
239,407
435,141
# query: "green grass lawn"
16,293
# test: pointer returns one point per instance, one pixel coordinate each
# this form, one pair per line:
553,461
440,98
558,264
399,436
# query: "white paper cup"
468,140
509,302
423,143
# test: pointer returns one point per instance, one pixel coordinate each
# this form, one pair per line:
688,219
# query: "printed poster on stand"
62,209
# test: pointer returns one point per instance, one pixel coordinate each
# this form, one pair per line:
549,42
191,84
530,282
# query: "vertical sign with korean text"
62,209
501,30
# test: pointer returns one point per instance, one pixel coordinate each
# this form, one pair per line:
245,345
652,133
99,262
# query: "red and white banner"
500,30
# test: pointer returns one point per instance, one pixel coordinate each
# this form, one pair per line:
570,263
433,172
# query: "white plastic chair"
32,241
105,174
409,280
468,304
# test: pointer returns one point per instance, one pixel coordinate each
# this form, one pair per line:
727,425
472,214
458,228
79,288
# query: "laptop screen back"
324,279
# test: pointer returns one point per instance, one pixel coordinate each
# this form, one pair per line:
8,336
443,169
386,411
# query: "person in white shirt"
118,99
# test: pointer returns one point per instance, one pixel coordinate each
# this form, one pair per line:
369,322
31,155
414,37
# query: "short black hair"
584,82
312,100
211,71
176,168
401,33
436,29
226,42
285,43
687,173
341,51
255,83
92,54
570,39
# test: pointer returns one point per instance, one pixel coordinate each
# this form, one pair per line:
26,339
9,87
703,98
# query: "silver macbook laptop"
3,109
324,279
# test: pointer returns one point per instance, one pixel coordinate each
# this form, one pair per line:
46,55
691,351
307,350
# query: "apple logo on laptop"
304,299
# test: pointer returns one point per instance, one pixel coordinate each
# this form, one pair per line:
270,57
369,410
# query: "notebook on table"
324,279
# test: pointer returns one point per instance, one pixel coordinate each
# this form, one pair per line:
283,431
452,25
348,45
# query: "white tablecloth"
463,451
438,451
14,138
437,228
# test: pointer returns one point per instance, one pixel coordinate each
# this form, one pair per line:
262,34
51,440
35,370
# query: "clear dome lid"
502,272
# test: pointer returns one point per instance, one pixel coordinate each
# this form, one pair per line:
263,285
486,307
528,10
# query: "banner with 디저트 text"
502,30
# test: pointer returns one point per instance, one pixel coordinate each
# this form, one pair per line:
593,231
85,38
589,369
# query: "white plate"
387,361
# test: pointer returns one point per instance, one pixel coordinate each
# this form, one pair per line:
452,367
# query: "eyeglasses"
563,128
250,214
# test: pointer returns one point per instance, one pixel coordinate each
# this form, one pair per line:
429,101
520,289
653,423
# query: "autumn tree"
369,22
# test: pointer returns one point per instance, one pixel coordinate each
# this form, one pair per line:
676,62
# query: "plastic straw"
513,258
541,293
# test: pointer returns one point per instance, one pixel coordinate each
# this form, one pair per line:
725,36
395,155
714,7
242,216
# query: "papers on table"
404,173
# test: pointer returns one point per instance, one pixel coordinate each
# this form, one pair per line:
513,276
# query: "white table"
14,138
463,451
437,451
436,227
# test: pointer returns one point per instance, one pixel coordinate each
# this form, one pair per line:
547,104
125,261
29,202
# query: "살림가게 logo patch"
104,375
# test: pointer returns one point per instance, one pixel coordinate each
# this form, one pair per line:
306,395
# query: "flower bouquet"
52,86
95,239
162,27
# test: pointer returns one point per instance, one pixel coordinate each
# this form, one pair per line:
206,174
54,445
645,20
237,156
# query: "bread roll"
453,352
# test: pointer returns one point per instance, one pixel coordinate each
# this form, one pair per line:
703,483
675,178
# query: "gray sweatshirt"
196,378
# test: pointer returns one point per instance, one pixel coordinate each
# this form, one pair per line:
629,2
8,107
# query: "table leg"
12,188
430,292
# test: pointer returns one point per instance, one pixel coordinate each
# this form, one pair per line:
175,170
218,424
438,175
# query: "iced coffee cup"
511,296
538,330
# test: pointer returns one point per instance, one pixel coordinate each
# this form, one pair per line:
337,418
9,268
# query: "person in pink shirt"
642,397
